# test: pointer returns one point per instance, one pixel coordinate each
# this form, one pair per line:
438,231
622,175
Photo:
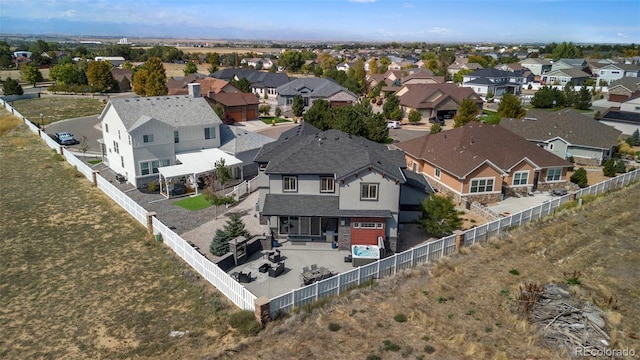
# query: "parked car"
393,124
437,120
65,138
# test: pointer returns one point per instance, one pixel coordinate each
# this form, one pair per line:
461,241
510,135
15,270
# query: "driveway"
88,126
512,205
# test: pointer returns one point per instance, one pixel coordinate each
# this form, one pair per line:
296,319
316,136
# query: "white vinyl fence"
245,187
232,289
433,250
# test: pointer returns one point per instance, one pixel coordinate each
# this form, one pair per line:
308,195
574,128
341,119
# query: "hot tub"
364,254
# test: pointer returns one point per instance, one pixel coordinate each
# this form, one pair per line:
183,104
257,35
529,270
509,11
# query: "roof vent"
530,118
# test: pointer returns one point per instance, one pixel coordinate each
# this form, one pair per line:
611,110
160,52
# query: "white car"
393,124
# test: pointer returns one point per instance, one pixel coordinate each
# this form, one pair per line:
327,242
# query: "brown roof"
418,96
460,151
236,99
210,85
119,74
570,125
423,75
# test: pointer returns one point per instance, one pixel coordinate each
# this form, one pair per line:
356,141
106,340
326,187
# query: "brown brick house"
479,162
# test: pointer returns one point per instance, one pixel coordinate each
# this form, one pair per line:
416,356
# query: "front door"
535,180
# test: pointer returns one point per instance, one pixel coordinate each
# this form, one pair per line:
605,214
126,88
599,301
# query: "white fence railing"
433,250
243,188
232,289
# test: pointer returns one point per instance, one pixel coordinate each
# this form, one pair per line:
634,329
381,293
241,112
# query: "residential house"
343,66
257,63
567,134
482,163
261,82
178,85
115,61
244,145
498,82
626,117
123,77
457,66
315,185
435,100
624,89
579,64
238,106
142,135
563,76
538,66
312,89
518,69
27,54
210,86
613,72
422,77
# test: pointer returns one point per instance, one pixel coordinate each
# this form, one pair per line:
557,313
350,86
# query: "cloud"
69,14
439,30
408,6
622,35
362,1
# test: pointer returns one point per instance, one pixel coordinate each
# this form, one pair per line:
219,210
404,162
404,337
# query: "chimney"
194,90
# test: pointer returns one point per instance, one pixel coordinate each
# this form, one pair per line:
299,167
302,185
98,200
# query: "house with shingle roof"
238,106
498,82
624,89
567,134
312,89
625,117
538,66
309,190
457,66
435,100
579,64
613,72
262,82
143,136
481,162
564,76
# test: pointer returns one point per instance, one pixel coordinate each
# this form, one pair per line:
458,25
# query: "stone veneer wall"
344,234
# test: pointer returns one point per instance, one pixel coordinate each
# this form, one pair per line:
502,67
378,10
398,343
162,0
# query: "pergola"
193,164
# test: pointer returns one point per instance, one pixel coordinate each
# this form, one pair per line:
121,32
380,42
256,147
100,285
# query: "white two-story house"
613,72
141,135
324,185
497,82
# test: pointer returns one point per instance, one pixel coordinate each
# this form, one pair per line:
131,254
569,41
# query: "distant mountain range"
10,25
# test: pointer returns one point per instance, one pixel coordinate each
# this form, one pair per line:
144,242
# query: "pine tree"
220,243
634,139
620,167
235,227
12,87
609,168
439,216
466,113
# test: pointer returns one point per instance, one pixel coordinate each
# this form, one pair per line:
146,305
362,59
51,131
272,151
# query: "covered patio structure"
192,168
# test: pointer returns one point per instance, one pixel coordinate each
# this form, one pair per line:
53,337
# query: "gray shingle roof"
313,205
573,127
258,79
176,111
235,140
320,87
492,73
329,152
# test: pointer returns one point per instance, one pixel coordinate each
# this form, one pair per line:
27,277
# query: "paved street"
88,126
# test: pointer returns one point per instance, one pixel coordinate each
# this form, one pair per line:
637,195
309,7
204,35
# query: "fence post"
94,177
261,310
150,216
459,239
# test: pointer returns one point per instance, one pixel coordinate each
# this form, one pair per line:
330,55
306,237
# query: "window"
289,101
116,148
481,185
289,183
106,127
209,133
122,160
368,225
151,167
521,178
368,191
550,146
147,138
176,137
327,185
119,138
554,174
437,173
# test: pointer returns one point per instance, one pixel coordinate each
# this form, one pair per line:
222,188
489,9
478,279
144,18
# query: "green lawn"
58,108
93,162
193,203
268,120
490,117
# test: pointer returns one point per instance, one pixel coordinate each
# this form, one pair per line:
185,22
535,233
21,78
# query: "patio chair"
244,277
314,266
305,269
275,257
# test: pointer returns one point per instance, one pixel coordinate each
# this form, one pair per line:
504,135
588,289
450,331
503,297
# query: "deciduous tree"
415,116
99,76
467,112
150,79
31,74
391,108
291,60
510,107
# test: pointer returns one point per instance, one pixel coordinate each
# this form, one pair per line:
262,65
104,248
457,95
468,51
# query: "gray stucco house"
315,185
567,134
312,89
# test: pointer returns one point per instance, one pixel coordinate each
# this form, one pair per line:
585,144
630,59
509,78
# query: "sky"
514,21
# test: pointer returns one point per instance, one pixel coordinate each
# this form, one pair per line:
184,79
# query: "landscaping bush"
415,116
609,168
620,167
580,178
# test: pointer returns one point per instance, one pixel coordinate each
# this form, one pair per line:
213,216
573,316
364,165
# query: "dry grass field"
81,279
